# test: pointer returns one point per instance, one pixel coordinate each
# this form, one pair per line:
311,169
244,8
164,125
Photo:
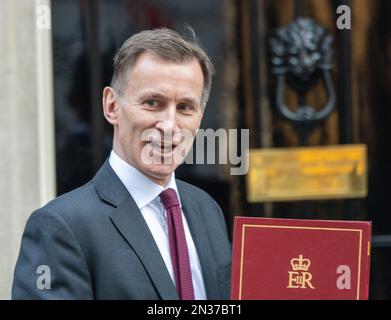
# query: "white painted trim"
45,104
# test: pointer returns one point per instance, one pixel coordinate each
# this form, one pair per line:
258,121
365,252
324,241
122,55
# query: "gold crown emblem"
300,264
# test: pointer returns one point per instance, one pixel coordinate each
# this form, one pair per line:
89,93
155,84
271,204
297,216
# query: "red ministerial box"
286,259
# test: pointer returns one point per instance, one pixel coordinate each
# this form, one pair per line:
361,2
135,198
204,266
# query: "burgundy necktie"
178,247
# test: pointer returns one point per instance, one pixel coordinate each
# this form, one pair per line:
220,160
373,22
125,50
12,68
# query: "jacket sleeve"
51,263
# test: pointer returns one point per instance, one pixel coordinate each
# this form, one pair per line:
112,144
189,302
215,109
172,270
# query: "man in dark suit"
134,231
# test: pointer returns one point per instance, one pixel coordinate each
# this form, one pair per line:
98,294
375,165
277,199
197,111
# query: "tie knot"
169,198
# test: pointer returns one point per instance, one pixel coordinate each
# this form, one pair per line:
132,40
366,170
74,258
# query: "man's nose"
168,122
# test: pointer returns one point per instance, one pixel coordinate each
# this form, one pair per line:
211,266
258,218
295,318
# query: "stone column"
27,161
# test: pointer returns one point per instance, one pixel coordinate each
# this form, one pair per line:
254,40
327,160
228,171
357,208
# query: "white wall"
27,171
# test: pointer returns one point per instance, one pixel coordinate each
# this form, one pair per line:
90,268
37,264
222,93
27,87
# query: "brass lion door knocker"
301,56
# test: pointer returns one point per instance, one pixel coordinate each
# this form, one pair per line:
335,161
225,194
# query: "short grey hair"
166,44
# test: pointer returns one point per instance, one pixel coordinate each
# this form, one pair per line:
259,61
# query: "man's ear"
110,105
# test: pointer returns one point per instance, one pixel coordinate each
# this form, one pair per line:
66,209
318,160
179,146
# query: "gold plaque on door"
307,173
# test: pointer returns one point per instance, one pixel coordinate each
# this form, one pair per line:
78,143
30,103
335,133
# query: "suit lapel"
130,223
198,229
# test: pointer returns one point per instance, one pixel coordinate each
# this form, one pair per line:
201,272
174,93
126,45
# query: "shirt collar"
142,189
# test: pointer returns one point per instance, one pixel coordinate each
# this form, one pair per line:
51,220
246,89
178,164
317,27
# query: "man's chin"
160,173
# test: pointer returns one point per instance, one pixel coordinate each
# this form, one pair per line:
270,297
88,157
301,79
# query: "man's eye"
151,103
186,107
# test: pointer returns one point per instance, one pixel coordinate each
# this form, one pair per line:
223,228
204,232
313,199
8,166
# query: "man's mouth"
164,149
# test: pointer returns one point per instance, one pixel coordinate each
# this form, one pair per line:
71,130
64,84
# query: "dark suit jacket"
98,246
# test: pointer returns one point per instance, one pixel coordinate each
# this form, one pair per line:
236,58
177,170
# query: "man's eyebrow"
160,96
152,95
190,100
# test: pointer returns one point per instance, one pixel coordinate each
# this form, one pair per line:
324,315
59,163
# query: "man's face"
161,102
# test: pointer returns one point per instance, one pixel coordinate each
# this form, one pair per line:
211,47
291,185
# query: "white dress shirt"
146,193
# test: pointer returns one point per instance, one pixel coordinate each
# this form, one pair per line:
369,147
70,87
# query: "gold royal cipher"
300,278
